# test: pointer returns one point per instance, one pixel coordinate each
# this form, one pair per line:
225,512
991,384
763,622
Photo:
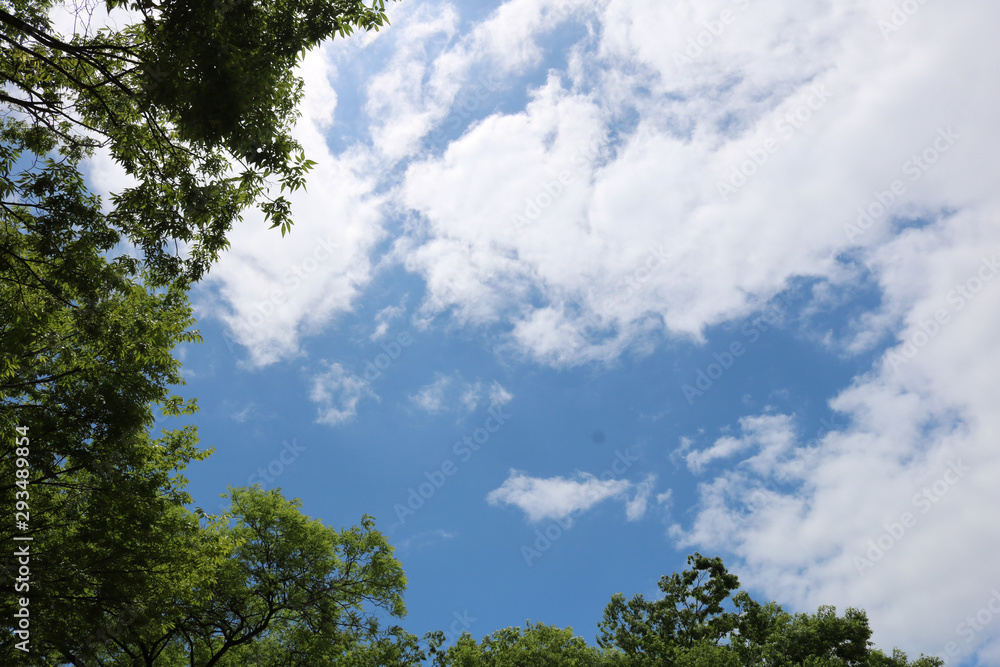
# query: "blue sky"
580,287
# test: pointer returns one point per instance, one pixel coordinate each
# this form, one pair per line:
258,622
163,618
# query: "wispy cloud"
498,395
425,539
383,318
635,508
773,434
244,414
337,391
471,395
449,392
431,397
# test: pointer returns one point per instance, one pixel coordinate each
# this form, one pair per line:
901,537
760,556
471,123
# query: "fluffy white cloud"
556,497
902,494
401,107
639,239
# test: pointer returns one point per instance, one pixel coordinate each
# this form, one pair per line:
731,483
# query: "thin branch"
40,381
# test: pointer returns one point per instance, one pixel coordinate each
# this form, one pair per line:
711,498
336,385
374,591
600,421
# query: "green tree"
538,645
86,367
93,293
282,590
702,620
195,100
767,635
691,611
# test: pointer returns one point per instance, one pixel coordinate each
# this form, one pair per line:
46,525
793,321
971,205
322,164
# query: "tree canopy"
702,620
194,100
283,589
93,293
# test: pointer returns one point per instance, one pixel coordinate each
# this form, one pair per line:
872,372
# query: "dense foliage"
194,100
702,620
93,294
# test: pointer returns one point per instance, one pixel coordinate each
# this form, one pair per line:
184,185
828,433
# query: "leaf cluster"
196,101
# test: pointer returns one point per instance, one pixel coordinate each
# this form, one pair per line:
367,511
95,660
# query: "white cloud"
447,392
722,448
425,538
432,82
431,397
638,242
470,397
383,318
555,497
901,494
244,414
337,391
402,109
635,509
773,434
498,395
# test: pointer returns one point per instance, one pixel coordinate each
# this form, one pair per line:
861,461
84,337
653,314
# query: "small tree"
690,612
288,592
701,621
538,645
